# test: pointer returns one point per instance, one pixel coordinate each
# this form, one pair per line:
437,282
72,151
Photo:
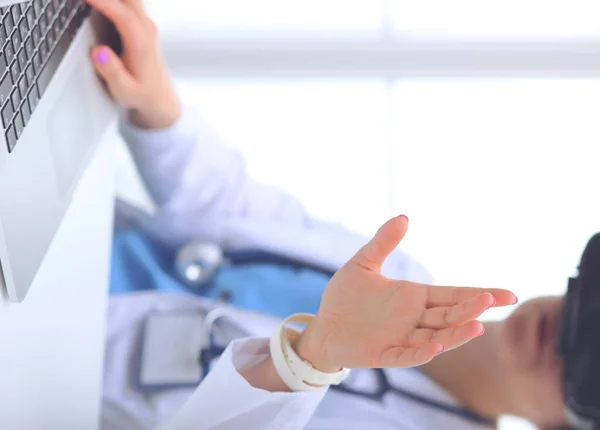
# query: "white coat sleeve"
189,172
225,400
203,191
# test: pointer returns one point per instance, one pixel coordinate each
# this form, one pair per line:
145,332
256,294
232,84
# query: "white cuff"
226,400
146,141
296,373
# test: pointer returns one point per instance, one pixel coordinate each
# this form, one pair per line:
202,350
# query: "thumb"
373,254
120,83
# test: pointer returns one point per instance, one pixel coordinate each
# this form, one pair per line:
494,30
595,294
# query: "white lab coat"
203,192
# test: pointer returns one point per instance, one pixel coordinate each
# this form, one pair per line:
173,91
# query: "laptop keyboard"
34,38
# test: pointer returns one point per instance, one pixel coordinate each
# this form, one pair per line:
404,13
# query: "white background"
498,173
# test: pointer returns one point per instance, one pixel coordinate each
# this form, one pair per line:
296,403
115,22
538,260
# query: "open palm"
369,321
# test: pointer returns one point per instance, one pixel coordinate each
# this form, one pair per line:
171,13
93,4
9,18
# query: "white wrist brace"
296,373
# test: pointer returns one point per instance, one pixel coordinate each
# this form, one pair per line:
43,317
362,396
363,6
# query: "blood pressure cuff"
579,341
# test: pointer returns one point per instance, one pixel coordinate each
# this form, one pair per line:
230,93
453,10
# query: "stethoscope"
197,263
211,351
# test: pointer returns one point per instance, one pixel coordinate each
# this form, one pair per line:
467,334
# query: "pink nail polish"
440,352
493,303
516,300
482,331
101,56
404,216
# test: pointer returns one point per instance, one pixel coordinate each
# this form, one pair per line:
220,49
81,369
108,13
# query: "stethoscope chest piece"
197,263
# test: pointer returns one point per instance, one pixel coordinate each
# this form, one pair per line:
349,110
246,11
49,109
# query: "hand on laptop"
139,79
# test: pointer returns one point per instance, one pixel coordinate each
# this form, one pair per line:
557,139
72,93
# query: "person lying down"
179,358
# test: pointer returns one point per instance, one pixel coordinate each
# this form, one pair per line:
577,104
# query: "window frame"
387,55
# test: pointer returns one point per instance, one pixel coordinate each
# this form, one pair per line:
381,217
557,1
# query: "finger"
387,238
121,84
454,316
450,296
450,338
136,5
410,357
121,14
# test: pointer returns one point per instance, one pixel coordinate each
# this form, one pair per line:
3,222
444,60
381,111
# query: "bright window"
324,142
498,18
500,178
261,17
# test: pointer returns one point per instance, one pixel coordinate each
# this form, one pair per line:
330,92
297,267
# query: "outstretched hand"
369,321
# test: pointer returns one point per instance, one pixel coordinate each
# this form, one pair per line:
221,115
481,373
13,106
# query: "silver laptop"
53,112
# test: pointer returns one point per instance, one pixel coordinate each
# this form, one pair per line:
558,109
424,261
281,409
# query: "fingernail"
493,303
440,352
101,56
516,300
401,216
